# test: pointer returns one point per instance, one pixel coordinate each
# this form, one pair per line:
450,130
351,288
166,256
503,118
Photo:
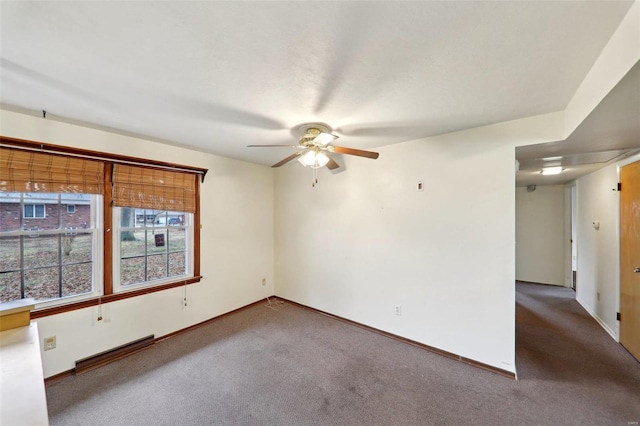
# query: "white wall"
540,234
365,240
236,246
599,250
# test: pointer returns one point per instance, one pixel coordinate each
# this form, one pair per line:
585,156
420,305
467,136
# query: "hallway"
559,344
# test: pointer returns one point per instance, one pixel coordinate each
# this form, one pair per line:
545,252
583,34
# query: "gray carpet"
297,367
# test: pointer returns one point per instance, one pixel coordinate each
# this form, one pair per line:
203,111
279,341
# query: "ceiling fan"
315,146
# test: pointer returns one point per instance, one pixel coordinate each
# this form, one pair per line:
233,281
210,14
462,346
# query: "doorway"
573,240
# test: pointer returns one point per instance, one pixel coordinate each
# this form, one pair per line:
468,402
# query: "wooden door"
630,258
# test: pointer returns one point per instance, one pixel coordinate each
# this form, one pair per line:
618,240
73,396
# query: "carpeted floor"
297,367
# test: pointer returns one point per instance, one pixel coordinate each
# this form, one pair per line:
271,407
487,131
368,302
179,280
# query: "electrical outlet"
398,310
420,186
264,281
49,343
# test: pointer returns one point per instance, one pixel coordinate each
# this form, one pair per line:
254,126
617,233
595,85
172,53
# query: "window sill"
54,310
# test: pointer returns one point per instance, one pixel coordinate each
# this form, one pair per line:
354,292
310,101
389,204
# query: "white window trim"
69,206
116,235
44,211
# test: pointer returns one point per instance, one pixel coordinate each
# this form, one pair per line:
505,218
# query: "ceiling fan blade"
353,151
286,160
267,146
332,165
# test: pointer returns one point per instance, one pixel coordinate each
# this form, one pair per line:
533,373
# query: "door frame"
570,209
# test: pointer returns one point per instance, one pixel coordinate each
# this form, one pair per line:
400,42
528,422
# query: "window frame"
34,210
95,231
71,208
108,293
118,287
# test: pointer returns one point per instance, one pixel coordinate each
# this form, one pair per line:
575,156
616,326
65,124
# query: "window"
153,240
34,211
153,251
53,215
51,261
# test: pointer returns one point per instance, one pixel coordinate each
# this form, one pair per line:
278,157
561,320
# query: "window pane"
156,241
40,251
75,211
156,267
175,218
132,243
41,211
177,264
160,218
9,254
132,270
76,248
41,284
10,286
154,248
30,263
177,237
10,211
128,218
76,279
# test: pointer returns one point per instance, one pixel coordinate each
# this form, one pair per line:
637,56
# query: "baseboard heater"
98,360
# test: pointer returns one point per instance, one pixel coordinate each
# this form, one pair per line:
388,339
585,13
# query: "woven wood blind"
143,187
29,171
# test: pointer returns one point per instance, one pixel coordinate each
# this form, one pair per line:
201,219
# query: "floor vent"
95,361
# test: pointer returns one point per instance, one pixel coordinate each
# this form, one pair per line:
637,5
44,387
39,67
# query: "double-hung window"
64,215
153,214
33,211
46,254
56,260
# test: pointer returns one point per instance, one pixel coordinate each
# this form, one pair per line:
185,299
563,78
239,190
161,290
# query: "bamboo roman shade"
31,171
150,188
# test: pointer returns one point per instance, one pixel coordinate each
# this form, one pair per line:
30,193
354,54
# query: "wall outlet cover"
49,343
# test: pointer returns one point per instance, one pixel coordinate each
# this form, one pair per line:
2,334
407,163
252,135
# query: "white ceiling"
217,76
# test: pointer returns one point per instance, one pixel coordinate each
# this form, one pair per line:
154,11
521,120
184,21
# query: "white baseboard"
608,329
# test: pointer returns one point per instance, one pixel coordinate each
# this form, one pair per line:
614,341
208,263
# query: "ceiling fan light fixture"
321,159
324,138
308,159
314,159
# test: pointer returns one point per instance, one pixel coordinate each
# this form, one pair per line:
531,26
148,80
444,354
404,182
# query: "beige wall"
540,234
236,246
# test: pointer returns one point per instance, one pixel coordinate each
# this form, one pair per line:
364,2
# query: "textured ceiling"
217,76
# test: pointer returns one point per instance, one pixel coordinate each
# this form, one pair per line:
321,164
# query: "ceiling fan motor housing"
309,131
310,134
